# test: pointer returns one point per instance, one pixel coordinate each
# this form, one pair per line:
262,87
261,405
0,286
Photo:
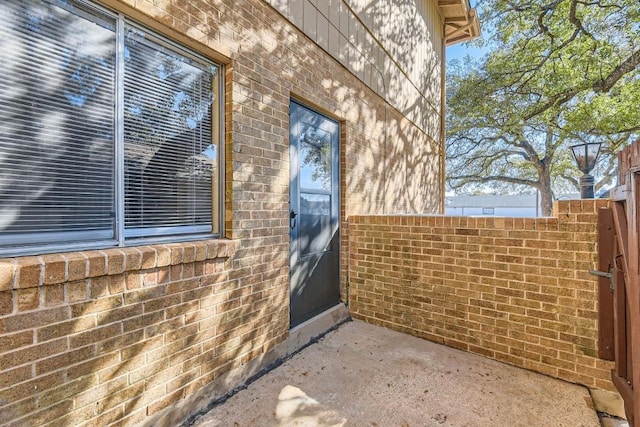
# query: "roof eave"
460,21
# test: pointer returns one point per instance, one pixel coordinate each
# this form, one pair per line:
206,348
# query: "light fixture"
585,156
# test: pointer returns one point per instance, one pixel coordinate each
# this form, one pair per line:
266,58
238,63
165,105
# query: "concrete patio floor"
364,375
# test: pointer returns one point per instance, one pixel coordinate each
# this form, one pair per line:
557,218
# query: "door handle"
292,216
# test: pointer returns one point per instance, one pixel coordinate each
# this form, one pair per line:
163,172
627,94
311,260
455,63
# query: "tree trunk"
546,195
546,201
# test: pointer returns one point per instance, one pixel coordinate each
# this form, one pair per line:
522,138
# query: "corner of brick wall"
517,290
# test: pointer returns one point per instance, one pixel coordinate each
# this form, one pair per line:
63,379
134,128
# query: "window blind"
170,157
56,123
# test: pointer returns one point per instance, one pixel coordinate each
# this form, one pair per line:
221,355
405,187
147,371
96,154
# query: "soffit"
460,21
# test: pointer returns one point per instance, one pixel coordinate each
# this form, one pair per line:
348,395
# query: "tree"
560,72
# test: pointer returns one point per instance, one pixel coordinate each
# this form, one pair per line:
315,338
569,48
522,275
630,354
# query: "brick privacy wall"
116,335
513,289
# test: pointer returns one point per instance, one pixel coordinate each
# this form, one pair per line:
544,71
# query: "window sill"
35,271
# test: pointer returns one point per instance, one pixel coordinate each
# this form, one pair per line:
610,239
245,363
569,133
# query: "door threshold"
304,333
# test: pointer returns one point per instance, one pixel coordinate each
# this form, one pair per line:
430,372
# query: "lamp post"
585,156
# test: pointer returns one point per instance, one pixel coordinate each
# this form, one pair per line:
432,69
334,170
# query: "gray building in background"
521,205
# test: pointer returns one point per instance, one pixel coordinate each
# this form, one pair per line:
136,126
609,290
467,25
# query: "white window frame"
29,244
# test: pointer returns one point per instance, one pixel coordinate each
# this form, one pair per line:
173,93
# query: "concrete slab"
364,375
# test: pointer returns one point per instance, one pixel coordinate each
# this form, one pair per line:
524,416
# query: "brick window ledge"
34,271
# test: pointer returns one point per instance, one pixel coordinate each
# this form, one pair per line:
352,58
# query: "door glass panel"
315,158
315,223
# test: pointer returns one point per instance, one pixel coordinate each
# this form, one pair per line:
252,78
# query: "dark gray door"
314,213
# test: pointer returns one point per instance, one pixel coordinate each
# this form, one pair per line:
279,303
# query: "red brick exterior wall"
516,290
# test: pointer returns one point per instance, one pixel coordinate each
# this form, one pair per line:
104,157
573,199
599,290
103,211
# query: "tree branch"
571,179
599,86
628,65
502,178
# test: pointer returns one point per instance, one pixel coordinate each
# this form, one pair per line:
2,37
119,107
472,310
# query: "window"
108,132
488,211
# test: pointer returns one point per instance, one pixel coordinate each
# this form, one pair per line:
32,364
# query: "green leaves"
560,72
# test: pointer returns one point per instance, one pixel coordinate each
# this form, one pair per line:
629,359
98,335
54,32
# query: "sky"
461,50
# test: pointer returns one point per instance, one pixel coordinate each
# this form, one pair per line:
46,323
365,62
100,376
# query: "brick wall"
117,335
512,289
